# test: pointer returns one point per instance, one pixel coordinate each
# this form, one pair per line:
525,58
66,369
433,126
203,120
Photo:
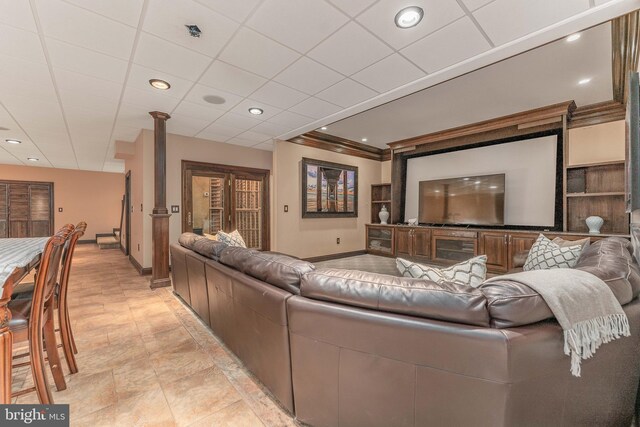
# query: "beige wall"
94,197
178,148
385,172
311,237
599,143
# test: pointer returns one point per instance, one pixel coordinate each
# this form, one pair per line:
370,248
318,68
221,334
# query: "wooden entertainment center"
587,189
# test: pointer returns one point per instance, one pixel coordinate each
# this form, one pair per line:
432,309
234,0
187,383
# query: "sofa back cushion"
188,239
209,248
514,304
416,297
280,270
236,257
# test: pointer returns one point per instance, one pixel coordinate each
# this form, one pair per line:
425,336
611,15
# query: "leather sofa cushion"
277,269
513,304
188,239
209,248
415,297
236,257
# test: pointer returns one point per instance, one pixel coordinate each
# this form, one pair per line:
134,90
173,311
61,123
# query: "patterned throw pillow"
210,236
544,255
470,273
232,239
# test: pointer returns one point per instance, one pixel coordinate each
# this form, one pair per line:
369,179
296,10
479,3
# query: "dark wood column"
160,215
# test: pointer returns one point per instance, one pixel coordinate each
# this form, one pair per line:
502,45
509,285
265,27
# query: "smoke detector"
193,30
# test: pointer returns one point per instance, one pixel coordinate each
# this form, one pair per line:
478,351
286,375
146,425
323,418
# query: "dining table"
18,257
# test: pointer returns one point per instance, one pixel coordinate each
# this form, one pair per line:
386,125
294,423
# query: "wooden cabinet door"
40,210
422,243
520,243
19,210
403,242
4,210
496,248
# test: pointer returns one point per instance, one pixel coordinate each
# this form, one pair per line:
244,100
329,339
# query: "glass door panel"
248,211
208,203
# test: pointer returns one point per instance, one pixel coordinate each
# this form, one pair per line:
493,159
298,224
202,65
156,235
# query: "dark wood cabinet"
26,209
495,246
380,239
413,242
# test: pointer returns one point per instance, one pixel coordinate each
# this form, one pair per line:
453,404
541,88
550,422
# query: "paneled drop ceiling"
74,73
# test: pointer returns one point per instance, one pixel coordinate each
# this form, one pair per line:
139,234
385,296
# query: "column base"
159,283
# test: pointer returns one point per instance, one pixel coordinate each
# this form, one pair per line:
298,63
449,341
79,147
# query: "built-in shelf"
589,165
381,201
609,193
380,195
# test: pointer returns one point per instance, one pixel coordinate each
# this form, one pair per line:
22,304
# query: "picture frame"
323,189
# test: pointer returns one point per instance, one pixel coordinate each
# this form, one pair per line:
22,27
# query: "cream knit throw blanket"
584,305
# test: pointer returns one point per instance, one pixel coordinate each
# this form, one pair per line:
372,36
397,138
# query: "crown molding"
340,145
595,114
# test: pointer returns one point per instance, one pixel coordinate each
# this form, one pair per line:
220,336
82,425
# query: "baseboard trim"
103,235
85,242
141,270
335,256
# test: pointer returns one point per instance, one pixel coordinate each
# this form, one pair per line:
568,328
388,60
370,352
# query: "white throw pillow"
544,255
470,273
232,239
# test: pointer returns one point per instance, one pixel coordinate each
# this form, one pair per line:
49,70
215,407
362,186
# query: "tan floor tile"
237,415
134,377
179,363
199,395
148,408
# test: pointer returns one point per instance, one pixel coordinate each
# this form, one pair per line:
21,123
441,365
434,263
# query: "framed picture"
329,190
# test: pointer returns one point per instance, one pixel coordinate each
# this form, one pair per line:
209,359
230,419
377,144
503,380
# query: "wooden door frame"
189,167
127,215
51,186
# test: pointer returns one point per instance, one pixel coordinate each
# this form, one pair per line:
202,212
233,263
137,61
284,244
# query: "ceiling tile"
525,16
232,79
475,4
198,92
151,101
380,19
267,146
282,20
69,81
448,46
350,49
125,11
241,142
268,110
7,158
390,73
115,166
134,116
308,76
167,19
88,30
84,61
257,137
238,121
352,7
236,10
278,95
139,78
316,108
291,120
346,93
125,133
271,129
219,132
153,52
187,126
21,44
197,111
26,80
256,53
17,14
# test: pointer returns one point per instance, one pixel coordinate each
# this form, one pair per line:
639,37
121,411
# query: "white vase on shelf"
594,223
384,214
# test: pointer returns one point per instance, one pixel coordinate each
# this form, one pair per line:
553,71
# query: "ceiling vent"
194,31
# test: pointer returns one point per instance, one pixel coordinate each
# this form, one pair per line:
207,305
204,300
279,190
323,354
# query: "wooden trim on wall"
625,38
141,271
595,114
535,115
336,144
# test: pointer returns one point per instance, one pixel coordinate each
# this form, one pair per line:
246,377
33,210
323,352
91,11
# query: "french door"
227,198
26,209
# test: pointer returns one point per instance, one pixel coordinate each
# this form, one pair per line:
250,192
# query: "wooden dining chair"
24,291
33,320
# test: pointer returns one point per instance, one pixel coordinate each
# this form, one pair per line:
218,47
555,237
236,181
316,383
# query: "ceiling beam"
625,37
595,114
336,144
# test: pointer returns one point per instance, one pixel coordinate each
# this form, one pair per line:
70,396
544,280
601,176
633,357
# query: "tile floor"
145,359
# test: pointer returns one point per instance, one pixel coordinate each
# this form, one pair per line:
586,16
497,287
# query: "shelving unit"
380,196
597,189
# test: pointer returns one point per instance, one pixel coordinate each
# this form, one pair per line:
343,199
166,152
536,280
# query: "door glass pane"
248,194
208,204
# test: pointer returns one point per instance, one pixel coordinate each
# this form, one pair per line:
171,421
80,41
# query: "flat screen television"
474,200
633,144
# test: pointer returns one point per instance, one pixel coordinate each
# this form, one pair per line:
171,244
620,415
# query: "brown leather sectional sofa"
348,348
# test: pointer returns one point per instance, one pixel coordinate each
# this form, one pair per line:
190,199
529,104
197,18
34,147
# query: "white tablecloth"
15,253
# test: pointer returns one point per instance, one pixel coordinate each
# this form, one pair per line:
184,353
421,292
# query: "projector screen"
530,177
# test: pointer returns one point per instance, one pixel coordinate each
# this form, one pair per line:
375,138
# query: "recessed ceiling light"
194,31
466,179
573,37
364,140
323,128
256,111
33,159
477,182
584,81
159,84
493,187
214,99
409,17
13,141
437,191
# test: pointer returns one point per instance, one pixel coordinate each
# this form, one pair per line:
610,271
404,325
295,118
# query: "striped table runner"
16,253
